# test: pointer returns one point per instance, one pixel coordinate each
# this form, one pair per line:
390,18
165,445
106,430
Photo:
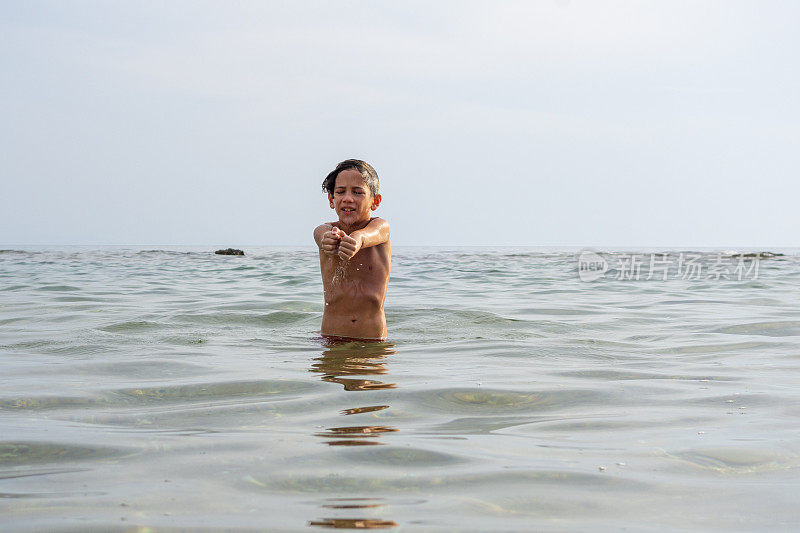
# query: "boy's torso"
355,291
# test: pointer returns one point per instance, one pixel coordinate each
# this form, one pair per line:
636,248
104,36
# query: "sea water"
174,389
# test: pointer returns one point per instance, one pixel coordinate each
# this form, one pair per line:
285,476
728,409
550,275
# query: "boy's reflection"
355,358
341,362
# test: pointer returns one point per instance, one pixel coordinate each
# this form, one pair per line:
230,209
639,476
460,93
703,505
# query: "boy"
354,254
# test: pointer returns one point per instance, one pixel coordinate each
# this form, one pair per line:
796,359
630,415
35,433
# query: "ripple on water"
557,311
274,318
42,403
182,340
364,503
576,427
615,375
716,348
442,325
480,400
401,456
215,391
14,287
28,453
76,298
57,288
449,483
737,459
33,472
147,369
133,326
220,392
769,329
33,344
481,425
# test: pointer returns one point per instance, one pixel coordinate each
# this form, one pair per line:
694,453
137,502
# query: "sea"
151,389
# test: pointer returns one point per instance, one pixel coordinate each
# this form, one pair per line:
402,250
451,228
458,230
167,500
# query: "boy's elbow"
318,231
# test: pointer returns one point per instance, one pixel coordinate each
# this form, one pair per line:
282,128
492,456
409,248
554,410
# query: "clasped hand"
338,243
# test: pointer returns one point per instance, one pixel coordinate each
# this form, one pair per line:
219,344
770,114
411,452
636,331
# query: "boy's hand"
349,246
330,241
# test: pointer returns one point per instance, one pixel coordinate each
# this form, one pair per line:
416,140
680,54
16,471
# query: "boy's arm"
319,231
373,234
327,238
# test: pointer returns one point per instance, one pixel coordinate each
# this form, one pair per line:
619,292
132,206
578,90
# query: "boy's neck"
347,228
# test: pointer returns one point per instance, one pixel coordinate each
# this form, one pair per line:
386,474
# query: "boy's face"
352,199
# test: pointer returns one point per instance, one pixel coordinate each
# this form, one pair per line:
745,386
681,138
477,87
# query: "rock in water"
229,251
763,255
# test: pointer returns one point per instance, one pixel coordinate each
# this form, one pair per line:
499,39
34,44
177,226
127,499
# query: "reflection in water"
347,363
353,523
357,410
354,359
355,433
352,503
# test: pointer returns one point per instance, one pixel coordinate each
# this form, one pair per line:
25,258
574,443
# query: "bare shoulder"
322,228
381,228
379,224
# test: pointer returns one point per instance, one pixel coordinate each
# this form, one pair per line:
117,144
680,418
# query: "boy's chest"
370,265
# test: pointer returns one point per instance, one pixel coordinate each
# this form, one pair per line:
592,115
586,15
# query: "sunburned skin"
355,262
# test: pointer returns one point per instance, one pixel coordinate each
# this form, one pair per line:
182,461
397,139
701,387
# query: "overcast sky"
512,123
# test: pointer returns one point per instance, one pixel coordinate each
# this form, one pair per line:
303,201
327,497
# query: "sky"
550,123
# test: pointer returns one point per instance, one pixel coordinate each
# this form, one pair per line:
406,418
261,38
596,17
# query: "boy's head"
352,189
365,169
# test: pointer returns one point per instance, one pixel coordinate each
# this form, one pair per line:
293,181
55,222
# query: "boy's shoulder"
335,223
327,225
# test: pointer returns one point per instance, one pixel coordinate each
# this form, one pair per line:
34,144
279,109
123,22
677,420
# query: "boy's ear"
330,200
376,201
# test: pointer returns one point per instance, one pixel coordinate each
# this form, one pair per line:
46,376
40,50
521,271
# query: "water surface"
173,389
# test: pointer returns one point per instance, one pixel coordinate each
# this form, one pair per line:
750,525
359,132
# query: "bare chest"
367,271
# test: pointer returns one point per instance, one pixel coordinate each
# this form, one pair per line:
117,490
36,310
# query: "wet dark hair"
367,173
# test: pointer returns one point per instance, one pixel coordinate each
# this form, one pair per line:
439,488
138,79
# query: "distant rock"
762,255
229,251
